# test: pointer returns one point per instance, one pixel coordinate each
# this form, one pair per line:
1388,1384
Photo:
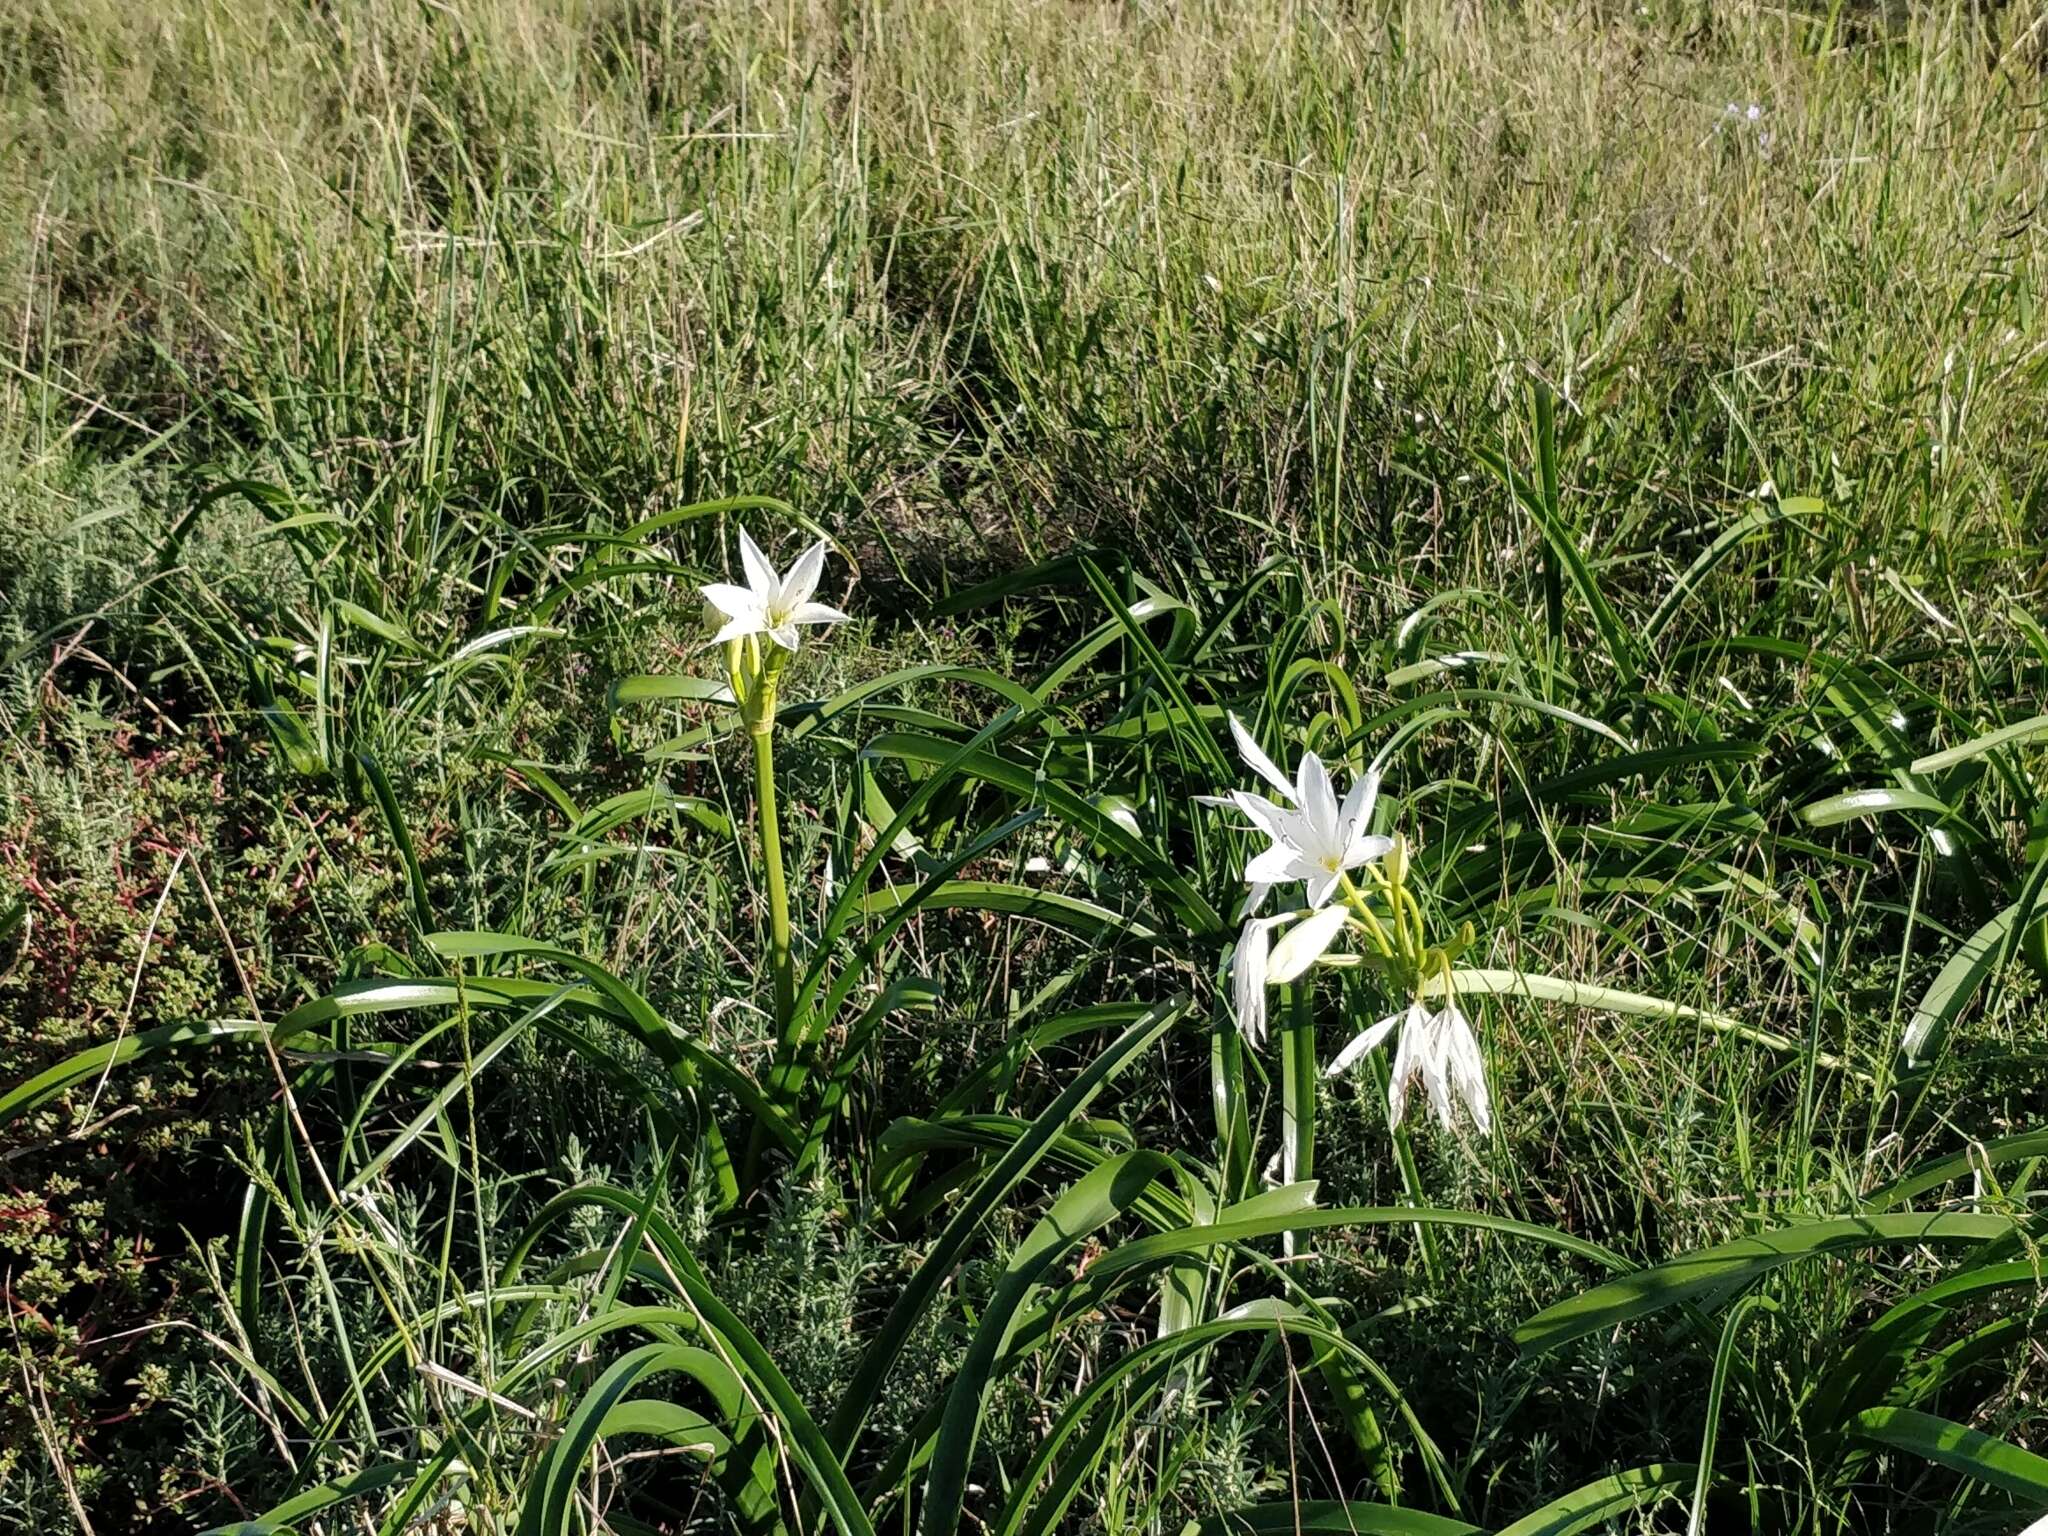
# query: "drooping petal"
760,574
1467,1065
817,613
1257,761
784,635
802,579
1407,1061
1436,1075
1362,1042
1305,943
734,602
1248,979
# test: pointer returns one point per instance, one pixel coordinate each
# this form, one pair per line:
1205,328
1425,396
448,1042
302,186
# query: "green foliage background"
324,324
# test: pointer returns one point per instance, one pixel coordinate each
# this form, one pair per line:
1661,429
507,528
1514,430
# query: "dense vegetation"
1621,425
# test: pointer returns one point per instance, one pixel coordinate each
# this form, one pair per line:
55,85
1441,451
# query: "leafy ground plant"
1616,427
522,1378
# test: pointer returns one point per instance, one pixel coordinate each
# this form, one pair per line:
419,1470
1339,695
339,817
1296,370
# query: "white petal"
1256,760
740,627
1362,1042
760,574
1357,806
1248,980
1467,1065
785,636
1436,1077
1279,864
802,579
1397,1085
1274,820
1407,1060
817,613
1305,943
734,602
1366,847
1318,796
1257,899
1370,785
1322,885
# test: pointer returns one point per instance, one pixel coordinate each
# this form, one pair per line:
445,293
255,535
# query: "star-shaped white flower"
1315,839
1441,1049
769,604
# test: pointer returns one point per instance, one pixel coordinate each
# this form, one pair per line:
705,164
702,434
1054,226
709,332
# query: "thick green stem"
1411,1176
771,864
1297,1090
1355,899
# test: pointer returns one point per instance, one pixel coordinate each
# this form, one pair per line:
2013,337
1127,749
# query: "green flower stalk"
759,713
760,634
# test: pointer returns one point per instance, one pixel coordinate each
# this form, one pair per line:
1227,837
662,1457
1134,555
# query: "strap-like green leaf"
1600,1501
1092,1202
951,1246
1959,1448
1284,1517
1731,1266
326,1496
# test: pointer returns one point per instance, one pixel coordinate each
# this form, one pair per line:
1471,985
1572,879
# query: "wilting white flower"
769,604
1315,839
1260,964
1438,1048
1444,1053
1248,976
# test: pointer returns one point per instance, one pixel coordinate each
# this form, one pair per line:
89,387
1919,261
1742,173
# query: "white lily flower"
770,604
1315,838
1441,1050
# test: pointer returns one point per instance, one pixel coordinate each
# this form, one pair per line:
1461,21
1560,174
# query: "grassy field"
1620,424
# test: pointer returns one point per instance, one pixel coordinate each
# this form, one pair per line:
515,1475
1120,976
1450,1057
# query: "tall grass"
1653,489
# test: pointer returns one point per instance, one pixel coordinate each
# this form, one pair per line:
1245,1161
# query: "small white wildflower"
770,604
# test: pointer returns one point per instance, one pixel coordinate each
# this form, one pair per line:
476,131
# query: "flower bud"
1397,860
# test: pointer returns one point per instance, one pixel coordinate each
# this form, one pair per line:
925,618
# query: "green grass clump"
1619,423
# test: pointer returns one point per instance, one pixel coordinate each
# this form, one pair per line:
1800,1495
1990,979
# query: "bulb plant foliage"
1080,1276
